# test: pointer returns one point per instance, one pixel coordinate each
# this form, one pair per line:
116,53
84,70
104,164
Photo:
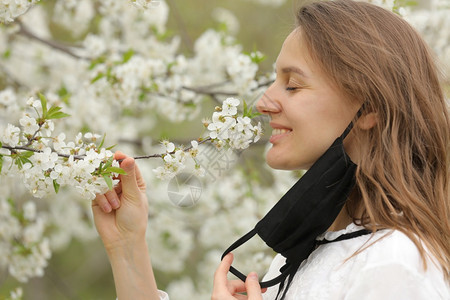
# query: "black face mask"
307,210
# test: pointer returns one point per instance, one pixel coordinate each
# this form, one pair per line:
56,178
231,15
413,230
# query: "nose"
267,105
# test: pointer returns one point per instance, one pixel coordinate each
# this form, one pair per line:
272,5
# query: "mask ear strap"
350,126
286,268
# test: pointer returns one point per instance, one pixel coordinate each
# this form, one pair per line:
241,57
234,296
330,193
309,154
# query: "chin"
279,164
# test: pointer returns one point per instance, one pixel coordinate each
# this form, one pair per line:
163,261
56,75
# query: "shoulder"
392,261
393,246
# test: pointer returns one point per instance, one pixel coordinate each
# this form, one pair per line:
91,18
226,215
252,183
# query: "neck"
342,220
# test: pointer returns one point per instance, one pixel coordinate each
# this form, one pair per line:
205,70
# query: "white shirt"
390,269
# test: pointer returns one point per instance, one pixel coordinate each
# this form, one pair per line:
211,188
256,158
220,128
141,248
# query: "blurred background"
80,270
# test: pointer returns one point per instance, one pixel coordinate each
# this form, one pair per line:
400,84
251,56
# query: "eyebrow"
294,70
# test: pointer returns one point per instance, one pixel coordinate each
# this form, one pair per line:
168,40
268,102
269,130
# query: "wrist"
126,249
132,271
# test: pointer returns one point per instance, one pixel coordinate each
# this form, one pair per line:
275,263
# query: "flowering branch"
24,148
89,167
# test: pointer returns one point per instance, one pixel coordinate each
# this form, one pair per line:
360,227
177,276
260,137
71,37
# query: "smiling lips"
278,132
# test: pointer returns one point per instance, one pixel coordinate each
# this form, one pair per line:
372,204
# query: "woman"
345,63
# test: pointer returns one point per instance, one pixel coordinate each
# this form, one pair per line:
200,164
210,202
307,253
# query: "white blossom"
11,9
10,135
229,106
29,125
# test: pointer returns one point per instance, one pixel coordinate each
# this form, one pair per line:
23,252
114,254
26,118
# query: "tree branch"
52,44
206,90
25,148
9,77
179,20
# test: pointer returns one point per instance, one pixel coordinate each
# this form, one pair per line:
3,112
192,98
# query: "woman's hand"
225,289
121,217
121,214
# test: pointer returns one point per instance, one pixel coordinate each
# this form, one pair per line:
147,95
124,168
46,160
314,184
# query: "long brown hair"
375,57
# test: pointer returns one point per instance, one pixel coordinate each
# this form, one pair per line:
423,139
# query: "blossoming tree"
79,79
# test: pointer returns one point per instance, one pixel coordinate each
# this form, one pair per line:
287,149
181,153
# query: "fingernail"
106,208
114,203
253,276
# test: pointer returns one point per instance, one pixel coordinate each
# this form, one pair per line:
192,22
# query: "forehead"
294,56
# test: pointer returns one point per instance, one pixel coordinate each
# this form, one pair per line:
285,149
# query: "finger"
252,286
118,188
102,202
113,199
139,180
130,187
236,286
118,155
220,276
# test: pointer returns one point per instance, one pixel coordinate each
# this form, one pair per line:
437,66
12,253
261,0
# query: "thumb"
130,187
252,287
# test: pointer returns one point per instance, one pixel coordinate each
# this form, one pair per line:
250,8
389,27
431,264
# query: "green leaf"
127,55
58,115
248,111
19,164
99,76
115,170
44,105
256,57
109,162
53,109
56,186
103,141
22,158
27,154
99,169
62,91
110,147
7,54
11,203
97,61
108,181
66,99
245,108
55,113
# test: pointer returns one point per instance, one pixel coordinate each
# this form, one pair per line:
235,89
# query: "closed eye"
293,85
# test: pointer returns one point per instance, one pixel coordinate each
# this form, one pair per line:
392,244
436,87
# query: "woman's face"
307,112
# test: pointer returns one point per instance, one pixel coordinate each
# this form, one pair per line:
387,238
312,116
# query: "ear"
367,121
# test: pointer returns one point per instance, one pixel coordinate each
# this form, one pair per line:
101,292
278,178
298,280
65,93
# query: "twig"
209,93
161,155
205,90
30,140
25,148
184,34
9,77
26,32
